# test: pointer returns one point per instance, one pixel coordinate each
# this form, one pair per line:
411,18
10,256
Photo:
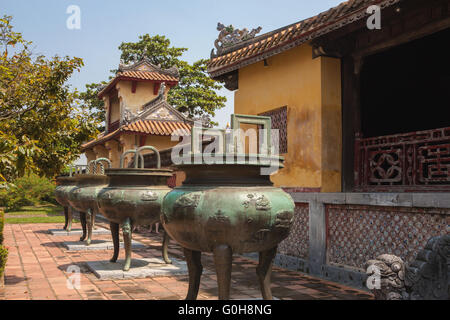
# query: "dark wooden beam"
142,140
133,86
156,88
425,30
351,120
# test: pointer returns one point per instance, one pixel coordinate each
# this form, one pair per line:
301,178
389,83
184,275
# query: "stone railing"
334,234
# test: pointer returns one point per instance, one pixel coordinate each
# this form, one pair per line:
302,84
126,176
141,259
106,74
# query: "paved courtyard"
38,262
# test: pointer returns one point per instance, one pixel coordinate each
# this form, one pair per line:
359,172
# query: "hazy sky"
106,24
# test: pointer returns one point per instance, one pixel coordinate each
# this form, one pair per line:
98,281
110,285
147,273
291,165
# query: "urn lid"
65,180
139,172
91,179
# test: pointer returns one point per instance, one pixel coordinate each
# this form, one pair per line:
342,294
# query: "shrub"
3,258
27,190
3,250
2,225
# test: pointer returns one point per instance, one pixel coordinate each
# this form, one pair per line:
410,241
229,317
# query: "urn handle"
88,169
136,153
102,167
158,156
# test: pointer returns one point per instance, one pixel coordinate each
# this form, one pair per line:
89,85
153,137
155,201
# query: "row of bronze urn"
225,208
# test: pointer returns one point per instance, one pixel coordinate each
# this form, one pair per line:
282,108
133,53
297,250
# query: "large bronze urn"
65,184
84,196
134,197
225,208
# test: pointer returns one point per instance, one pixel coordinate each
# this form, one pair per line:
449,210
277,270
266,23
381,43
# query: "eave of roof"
277,41
132,76
144,127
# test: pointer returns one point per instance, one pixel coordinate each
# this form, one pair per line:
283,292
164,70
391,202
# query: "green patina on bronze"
64,185
228,208
133,197
83,198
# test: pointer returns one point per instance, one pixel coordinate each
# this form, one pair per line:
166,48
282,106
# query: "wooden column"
351,118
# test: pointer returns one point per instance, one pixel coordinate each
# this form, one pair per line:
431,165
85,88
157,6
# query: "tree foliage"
42,124
196,93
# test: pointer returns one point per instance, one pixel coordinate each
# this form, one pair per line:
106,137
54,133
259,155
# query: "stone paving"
140,268
38,262
60,232
98,244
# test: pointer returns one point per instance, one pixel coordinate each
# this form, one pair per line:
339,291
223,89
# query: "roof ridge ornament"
134,66
162,90
229,36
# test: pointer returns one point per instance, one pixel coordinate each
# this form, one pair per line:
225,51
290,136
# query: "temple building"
363,114
137,112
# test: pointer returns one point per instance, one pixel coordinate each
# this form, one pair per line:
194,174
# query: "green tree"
196,93
91,101
42,124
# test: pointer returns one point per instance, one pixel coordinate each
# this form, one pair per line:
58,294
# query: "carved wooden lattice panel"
356,234
417,160
279,121
297,243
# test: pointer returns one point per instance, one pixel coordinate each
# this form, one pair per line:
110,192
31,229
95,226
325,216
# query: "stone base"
256,299
140,268
62,232
98,245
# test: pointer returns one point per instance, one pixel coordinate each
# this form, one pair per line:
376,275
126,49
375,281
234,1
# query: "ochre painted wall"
310,88
159,142
114,104
112,150
135,101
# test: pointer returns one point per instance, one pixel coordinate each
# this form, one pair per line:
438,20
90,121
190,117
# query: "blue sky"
106,24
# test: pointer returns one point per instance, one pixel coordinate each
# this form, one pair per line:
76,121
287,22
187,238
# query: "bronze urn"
84,196
65,184
133,197
225,208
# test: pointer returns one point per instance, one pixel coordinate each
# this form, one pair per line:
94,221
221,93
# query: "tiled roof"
150,127
145,75
143,70
160,128
285,38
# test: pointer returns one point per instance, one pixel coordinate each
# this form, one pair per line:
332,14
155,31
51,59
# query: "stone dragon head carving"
425,278
389,270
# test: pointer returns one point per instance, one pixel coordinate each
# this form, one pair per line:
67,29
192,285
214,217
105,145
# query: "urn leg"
264,271
66,218
94,215
69,219
114,227
165,246
195,269
126,230
89,218
222,260
83,225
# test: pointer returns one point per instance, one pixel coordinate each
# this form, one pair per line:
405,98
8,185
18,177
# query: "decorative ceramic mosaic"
297,244
279,121
359,233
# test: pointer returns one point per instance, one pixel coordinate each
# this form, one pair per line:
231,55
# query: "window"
279,121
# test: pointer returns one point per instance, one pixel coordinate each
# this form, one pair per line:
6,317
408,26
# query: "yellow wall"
135,101
113,150
115,109
159,142
310,88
